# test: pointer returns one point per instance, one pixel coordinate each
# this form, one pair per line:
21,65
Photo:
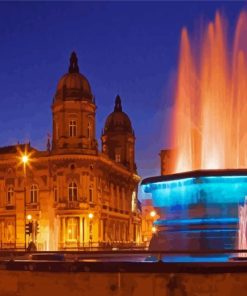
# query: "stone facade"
76,195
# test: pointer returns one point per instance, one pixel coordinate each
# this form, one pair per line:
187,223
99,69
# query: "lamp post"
25,160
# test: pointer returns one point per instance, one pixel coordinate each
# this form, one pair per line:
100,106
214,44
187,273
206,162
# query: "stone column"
63,230
81,230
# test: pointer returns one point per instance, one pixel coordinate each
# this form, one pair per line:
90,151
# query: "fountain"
209,120
198,203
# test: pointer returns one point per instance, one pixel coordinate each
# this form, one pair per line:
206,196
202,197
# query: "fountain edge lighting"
196,221
196,174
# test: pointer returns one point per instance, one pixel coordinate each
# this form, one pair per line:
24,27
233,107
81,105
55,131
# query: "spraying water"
209,120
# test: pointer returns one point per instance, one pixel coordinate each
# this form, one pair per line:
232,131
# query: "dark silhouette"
31,247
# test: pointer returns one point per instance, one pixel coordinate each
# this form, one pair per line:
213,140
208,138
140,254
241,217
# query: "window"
89,130
55,194
72,128
117,157
72,229
10,195
133,201
118,154
9,231
90,194
34,194
73,191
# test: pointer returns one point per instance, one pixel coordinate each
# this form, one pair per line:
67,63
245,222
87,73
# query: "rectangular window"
117,157
34,194
72,229
89,130
73,192
10,194
72,128
55,194
90,195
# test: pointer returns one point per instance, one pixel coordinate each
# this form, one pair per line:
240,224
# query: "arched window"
72,128
73,191
10,195
55,194
34,194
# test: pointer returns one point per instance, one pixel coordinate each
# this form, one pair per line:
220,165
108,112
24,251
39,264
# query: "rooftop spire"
118,104
73,67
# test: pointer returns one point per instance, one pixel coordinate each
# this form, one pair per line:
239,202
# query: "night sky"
125,48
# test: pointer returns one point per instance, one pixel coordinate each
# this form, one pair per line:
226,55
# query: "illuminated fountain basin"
198,210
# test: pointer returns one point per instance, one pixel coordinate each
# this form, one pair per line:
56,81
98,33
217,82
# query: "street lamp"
29,217
90,215
24,158
152,214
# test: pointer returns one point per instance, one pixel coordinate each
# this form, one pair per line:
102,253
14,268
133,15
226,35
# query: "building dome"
73,85
118,121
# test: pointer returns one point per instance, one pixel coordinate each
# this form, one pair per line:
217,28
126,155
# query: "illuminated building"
77,196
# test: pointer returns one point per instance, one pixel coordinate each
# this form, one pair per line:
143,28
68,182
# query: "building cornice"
13,159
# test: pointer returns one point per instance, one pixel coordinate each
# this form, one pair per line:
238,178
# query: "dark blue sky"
126,48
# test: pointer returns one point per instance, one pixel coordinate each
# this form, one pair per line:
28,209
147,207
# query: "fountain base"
198,210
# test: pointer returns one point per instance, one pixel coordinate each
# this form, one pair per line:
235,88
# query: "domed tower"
118,138
73,111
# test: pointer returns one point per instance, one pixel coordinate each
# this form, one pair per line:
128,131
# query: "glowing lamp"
29,217
152,213
25,159
154,229
90,215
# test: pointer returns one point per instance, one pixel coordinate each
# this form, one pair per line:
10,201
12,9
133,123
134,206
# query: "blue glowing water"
191,191
197,212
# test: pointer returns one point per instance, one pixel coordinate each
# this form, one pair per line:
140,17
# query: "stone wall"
27,283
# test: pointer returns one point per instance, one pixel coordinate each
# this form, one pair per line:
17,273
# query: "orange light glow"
29,217
152,213
209,118
24,159
90,215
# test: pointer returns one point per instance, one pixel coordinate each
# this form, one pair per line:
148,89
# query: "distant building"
166,161
73,195
149,214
